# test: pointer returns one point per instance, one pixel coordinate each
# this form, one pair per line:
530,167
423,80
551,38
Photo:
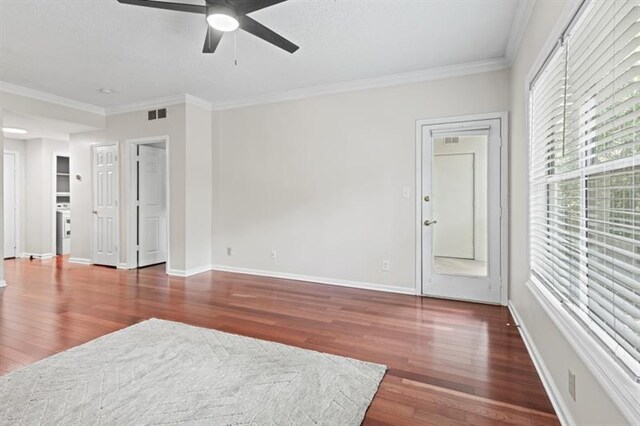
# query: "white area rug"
162,372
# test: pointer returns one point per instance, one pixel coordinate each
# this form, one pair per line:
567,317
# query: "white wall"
593,406
19,146
320,180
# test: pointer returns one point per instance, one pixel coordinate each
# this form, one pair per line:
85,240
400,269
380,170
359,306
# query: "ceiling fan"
224,16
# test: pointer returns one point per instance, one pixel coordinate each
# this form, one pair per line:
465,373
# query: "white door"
152,206
105,205
10,204
461,211
454,235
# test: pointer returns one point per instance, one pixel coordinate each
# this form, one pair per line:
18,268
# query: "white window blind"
585,175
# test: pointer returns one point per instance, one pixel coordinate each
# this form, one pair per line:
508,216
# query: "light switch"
406,192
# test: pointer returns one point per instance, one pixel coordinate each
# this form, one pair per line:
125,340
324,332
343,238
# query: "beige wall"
119,128
320,180
199,194
593,406
189,130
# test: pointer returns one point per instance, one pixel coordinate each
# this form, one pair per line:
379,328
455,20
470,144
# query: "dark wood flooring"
449,362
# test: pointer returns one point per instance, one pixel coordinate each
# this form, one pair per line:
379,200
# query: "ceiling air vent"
451,140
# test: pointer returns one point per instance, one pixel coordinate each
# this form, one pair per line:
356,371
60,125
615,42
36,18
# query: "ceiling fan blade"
212,40
257,29
248,6
180,7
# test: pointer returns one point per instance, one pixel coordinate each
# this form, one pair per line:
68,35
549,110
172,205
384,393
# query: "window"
585,175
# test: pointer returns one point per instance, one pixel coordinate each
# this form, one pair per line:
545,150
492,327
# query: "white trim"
428,74
518,28
187,273
3,284
623,391
315,280
14,89
39,256
504,193
198,102
79,261
123,265
159,103
564,415
131,182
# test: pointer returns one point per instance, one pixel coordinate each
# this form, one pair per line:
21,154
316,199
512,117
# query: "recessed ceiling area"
72,48
41,127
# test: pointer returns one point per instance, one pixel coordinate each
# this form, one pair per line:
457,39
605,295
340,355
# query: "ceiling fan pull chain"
235,48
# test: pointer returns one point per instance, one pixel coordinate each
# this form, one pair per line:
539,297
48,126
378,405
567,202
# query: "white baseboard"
3,284
123,265
317,280
189,272
39,256
547,381
80,260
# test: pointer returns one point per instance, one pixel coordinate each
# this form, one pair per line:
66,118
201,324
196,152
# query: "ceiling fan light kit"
225,16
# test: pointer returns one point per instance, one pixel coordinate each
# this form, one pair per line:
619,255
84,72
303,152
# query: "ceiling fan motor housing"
221,9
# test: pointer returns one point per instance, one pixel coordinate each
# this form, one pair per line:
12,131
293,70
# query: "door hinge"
137,248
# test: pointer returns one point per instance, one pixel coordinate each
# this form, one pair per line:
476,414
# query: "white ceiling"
71,48
41,127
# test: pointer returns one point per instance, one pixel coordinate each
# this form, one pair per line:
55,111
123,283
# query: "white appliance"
63,228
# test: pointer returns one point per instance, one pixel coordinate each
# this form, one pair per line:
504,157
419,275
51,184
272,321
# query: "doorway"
148,203
10,205
461,186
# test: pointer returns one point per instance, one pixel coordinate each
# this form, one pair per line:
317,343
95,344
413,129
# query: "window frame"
614,379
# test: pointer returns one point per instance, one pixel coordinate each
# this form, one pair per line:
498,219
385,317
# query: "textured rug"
162,372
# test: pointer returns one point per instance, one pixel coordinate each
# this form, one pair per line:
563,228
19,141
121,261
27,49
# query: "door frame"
54,196
93,195
17,201
131,181
503,116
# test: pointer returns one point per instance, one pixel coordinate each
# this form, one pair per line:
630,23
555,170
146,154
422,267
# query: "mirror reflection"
460,205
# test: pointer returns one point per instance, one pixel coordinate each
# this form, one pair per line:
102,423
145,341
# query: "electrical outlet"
228,251
385,265
274,255
572,385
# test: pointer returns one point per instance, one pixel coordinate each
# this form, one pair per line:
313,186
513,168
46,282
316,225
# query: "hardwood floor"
449,362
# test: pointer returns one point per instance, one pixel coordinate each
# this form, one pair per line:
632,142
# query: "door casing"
466,120
131,181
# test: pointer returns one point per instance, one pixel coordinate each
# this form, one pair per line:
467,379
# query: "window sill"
621,388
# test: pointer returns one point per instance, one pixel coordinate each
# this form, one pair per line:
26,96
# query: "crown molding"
198,102
518,28
14,89
428,74
158,103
